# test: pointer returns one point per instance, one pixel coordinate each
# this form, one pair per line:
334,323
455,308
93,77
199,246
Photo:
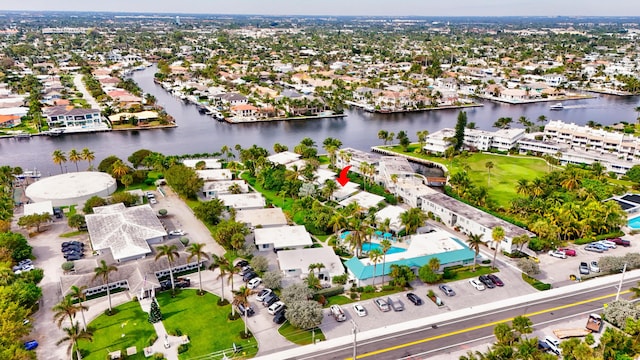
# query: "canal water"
198,133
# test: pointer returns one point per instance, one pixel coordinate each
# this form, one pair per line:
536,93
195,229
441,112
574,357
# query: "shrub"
183,348
260,263
388,287
332,291
538,285
184,241
448,274
618,311
272,279
340,279
353,295
152,339
431,294
529,266
68,265
589,339
427,275
369,289
360,289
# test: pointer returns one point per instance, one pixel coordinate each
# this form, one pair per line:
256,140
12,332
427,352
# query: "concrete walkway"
77,81
166,344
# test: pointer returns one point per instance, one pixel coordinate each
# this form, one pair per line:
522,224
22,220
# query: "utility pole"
354,329
624,268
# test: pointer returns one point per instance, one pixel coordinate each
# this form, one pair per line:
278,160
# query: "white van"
338,313
554,344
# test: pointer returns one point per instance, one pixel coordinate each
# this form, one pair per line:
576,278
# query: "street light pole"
354,329
624,268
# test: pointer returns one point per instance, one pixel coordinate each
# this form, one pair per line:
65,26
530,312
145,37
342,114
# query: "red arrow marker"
343,179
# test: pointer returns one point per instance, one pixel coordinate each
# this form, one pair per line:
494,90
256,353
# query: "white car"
558,254
476,284
263,294
360,310
593,266
254,283
275,307
177,232
607,243
554,344
153,201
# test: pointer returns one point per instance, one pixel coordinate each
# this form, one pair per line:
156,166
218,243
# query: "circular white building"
72,188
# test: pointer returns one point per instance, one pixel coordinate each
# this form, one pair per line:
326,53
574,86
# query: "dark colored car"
242,263
279,317
621,242
543,346
57,212
248,276
496,280
31,344
246,269
69,248
248,310
269,300
486,281
179,283
414,299
74,243
72,257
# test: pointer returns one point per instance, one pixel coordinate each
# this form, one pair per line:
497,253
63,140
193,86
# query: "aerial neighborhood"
294,251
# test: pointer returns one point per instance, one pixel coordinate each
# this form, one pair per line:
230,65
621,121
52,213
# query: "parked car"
447,290
242,309
593,266
395,304
360,310
153,201
583,268
543,346
558,254
592,247
30,345
382,305
177,232
484,279
279,317
621,242
250,275
72,257
242,263
74,242
263,294
337,313
182,282
275,307
496,280
601,246
57,212
270,299
254,283
245,269
554,344
414,299
476,284
608,243
568,252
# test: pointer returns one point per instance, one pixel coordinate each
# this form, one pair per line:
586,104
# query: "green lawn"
467,273
338,300
506,171
108,330
373,295
300,337
204,322
270,195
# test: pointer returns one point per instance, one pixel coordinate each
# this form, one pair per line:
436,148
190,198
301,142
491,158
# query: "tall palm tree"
74,157
103,271
66,308
88,156
171,253
73,334
195,250
412,219
231,272
385,245
242,297
59,157
119,169
221,263
375,256
78,293
474,242
489,166
498,235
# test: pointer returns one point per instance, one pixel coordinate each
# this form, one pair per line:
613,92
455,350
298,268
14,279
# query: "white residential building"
355,158
282,237
295,263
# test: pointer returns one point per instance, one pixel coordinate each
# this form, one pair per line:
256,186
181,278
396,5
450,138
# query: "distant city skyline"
344,8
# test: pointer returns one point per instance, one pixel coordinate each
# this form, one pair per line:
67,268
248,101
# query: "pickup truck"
594,323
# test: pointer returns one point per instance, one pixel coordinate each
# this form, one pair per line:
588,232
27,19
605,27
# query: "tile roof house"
126,232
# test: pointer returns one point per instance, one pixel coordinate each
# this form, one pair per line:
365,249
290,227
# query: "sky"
344,7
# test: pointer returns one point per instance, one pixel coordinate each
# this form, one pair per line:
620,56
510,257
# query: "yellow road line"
477,327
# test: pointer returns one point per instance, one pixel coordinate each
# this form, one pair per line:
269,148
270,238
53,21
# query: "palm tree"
195,250
66,308
78,293
474,242
119,169
58,158
171,252
385,245
73,334
221,263
489,166
434,264
103,271
375,256
74,157
498,235
231,272
242,297
412,219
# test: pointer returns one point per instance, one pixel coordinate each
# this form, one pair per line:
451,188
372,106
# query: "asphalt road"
433,339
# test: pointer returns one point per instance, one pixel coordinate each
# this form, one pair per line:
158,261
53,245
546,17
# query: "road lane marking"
477,327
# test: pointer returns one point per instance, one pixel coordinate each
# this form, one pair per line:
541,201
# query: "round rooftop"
72,188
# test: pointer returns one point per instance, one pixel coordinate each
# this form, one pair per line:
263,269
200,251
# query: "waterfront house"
355,158
244,111
74,119
7,121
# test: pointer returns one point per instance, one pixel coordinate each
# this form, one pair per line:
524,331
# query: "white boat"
557,106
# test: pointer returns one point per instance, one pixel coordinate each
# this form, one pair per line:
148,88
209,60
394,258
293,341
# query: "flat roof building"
282,237
208,163
214,174
295,263
268,217
41,207
364,199
243,201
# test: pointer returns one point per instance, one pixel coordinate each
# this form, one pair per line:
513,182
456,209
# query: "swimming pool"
366,247
634,223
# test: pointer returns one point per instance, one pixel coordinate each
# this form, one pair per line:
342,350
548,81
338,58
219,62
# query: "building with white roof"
126,232
295,263
214,174
284,157
392,169
42,207
243,201
391,212
213,189
282,237
501,140
267,217
208,163
365,199
343,192
355,158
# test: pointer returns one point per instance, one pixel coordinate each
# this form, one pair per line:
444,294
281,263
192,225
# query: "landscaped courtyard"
199,317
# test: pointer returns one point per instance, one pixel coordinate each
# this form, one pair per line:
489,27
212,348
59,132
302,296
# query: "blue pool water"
634,223
366,247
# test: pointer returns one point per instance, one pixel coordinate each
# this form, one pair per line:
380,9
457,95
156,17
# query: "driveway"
77,81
